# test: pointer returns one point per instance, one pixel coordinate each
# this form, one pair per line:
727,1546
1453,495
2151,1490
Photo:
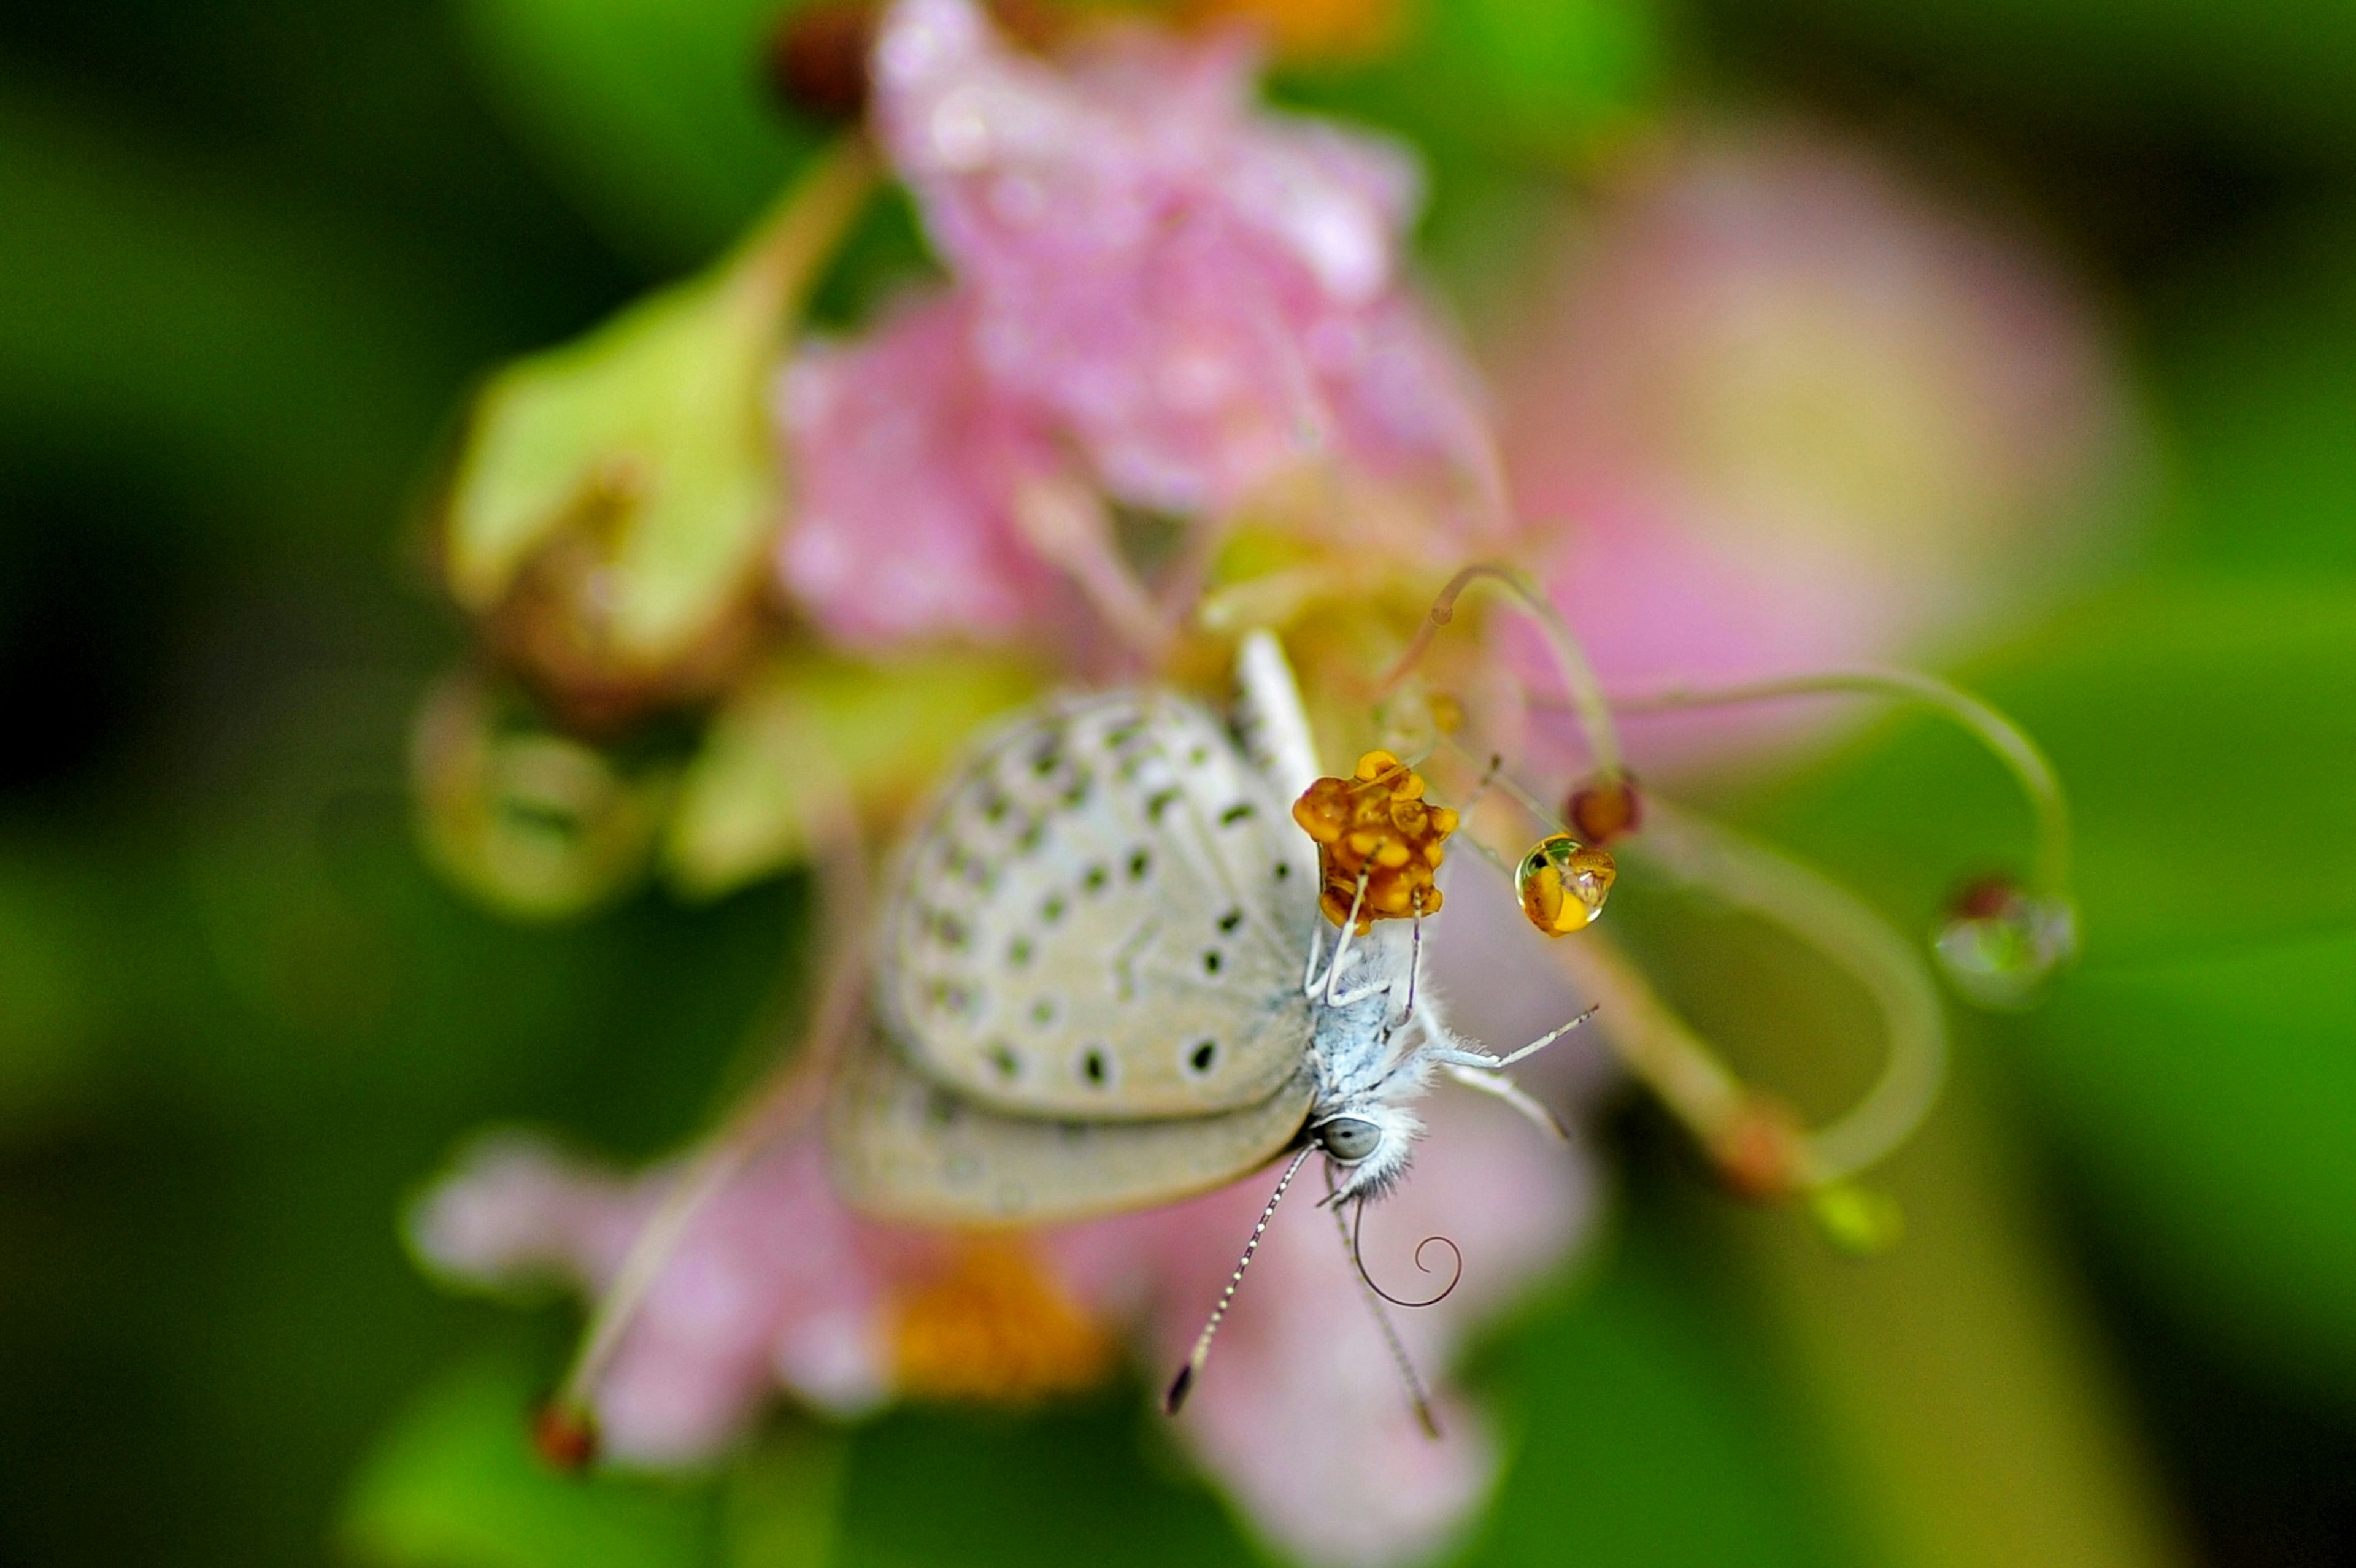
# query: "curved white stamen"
1845,929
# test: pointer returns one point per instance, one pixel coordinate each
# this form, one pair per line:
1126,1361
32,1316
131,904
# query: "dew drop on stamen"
1563,884
2001,943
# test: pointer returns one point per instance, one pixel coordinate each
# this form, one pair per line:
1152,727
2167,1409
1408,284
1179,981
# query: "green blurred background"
253,253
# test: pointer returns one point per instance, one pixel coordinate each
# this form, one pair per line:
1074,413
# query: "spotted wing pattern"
1105,916
904,1149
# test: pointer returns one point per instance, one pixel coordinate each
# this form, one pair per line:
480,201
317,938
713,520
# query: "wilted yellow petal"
810,722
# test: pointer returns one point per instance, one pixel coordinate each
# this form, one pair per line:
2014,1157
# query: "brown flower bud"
1605,809
818,59
564,1436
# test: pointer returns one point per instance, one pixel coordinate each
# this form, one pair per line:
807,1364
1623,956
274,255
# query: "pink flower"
1157,284
1783,414
1780,411
776,1286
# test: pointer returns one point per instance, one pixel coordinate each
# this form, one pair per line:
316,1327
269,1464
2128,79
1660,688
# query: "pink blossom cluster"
1300,1415
1156,286
1773,411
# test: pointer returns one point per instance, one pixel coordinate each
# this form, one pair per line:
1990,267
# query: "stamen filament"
1845,929
1681,1069
2020,755
774,1112
1067,523
1585,693
774,267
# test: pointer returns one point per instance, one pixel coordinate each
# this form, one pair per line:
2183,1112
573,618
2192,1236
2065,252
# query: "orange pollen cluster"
1376,826
992,1328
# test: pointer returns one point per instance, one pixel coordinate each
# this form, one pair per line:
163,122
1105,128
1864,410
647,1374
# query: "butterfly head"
1369,1144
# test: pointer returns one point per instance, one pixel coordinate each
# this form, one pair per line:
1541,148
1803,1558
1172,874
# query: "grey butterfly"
1103,982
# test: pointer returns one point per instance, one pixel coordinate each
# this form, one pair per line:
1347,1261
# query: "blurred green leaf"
2256,367
2272,76
1650,1431
2212,1100
655,111
456,1485
298,367
784,1501
951,1488
883,732
53,1010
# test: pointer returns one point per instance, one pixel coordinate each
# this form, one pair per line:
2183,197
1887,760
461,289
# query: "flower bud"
1604,809
1859,1220
818,59
564,1436
612,503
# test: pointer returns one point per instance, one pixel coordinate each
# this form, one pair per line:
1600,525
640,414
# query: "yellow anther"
1376,826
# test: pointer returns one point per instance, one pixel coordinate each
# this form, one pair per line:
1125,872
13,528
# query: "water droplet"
1563,884
2000,944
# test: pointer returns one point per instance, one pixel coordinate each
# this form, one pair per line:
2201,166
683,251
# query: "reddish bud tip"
1987,898
818,59
564,1437
1599,812
1758,1153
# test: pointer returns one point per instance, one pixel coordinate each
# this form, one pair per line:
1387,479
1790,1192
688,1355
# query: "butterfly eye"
1348,1139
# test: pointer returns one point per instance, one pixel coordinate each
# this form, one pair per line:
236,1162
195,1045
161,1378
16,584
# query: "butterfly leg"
1512,1094
1458,1056
1342,944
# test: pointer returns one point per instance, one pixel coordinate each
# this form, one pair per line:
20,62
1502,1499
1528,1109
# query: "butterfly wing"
904,1149
1105,916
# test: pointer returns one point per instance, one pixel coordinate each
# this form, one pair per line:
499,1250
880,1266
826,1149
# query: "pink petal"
773,1281
1783,412
1201,292
904,464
